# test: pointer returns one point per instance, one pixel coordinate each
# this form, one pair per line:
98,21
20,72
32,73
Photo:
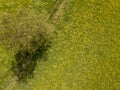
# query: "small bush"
29,36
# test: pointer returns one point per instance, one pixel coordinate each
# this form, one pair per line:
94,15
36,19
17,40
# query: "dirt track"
59,10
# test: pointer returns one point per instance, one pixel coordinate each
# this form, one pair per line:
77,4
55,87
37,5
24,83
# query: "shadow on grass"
26,60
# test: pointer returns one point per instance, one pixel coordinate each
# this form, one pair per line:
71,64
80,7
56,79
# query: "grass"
85,51
5,64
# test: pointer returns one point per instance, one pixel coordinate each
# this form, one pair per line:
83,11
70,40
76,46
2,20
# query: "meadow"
85,50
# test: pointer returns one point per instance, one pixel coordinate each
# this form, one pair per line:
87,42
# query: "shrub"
29,35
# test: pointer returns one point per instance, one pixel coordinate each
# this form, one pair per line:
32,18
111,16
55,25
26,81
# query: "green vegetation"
84,53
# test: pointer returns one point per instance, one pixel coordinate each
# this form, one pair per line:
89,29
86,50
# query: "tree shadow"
26,61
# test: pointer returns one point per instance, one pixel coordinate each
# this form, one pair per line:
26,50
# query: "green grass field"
85,52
